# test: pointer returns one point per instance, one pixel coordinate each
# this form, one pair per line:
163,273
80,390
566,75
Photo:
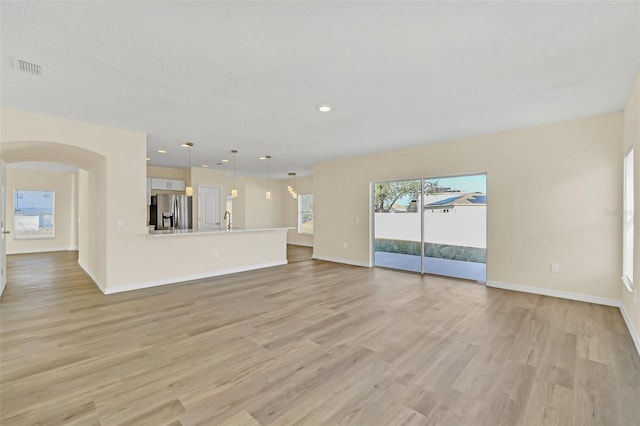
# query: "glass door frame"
372,216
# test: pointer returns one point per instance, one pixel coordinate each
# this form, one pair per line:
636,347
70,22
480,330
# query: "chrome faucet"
227,216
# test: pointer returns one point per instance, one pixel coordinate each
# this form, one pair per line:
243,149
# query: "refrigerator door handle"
176,213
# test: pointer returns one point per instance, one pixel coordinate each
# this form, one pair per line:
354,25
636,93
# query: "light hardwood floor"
312,343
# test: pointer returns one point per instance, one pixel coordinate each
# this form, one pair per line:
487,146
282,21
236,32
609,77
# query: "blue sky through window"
33,202
473,183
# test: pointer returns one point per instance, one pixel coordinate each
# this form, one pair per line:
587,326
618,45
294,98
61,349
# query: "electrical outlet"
345,244
357,219
555,268
216,253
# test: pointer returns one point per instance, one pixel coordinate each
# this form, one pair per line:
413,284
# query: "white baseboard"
45,250
345,261
300,244
634,333
574,296
98,283
555,293
73,248
184,278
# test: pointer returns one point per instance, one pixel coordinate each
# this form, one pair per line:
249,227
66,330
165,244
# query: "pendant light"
234,191
268,194
188,190
292,184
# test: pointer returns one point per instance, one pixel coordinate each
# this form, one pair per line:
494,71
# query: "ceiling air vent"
29,67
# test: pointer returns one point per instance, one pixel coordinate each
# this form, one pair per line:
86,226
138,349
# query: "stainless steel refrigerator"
170,211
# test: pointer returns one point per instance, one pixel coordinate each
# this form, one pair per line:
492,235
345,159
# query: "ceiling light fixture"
148,159
292,185
205,166
268,194
324,107
162,151
184,145
188,190
225,161
234,190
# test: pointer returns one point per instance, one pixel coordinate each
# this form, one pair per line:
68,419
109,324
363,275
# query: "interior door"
208,208
3,231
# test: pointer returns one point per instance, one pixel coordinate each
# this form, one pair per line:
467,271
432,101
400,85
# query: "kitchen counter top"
186,232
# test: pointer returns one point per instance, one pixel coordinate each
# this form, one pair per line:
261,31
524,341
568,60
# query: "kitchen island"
182,232
184,255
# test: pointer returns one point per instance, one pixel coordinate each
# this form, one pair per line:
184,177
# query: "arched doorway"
91,182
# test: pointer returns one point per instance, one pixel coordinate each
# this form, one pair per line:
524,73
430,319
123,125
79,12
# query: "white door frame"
3,226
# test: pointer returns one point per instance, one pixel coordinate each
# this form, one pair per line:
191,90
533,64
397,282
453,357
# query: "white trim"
574,296
42,250
555,293
184,278
345,261
628,284
634,334
97,282
300,244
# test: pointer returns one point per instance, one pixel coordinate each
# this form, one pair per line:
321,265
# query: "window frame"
300,196
628,214
16,234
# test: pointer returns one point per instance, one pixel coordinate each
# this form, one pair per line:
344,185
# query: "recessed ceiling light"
225,161
162,151
148,159
205,165
262,158
184,145
324,107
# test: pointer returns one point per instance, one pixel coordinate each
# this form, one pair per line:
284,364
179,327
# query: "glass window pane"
397,225
33,214
305,213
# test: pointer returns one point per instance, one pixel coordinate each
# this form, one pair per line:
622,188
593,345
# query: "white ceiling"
249,75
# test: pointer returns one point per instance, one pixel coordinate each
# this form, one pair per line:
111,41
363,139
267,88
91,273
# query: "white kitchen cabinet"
167,184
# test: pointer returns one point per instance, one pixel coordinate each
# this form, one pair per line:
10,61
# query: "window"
628,215
305,214
33,214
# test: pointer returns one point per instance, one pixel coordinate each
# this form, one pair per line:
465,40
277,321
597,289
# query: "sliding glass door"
433,225
455,227
397,225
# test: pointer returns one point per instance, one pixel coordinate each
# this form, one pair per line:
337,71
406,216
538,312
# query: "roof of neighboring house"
468,199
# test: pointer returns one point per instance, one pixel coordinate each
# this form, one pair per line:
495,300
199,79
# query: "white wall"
65,218
552,191
251,209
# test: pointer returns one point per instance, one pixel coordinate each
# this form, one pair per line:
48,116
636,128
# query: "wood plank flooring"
312,343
